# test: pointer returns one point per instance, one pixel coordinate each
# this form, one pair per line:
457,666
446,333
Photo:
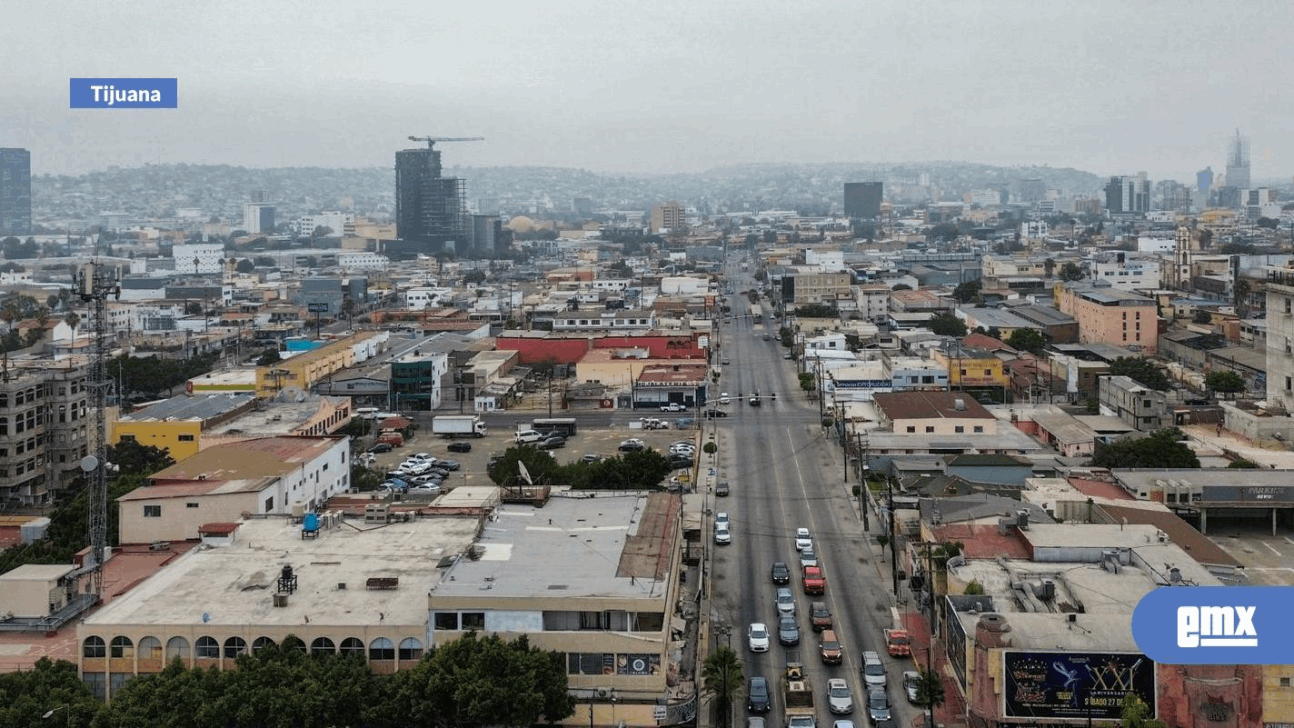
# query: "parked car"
633,444
652,423
757,637
422,456
830,649
673,407
722,534
820,616
757,698
381,447
552,442
679,462
785,601
527,436
781,573
802,539
460,447
911,683
788,630
755,721
426,489
592,458
878,705
711,414
840,700
873,669
722,489
450,465
721,517
726,361
725,399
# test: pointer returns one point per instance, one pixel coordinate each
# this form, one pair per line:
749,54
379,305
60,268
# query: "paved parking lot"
599,441
1268,560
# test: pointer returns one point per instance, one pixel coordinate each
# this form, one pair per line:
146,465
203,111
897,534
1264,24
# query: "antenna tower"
94,283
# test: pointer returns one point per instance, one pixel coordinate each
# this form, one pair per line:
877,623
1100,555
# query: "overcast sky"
645,86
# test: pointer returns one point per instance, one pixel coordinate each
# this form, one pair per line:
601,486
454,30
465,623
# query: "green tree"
1030,340
1202,317
722,677
1240,294
1224,381
945,231
1141,370
946,324
474,276
245,266
480,681
1242,464
269,356
761,275
133,458
816,310
1071,271
25,696
967,291
930,689
1160,449
1136,714
1049,267
539,464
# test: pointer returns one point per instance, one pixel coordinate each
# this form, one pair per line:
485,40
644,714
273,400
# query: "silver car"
785,601
873,670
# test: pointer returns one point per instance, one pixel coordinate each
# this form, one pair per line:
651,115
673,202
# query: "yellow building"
616,367
972,368
306,369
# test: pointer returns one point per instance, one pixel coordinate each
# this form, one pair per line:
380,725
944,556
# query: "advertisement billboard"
1075,685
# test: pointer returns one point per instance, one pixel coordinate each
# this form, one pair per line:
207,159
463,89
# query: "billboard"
1075,685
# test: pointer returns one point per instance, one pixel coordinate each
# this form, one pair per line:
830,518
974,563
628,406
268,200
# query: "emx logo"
1213,625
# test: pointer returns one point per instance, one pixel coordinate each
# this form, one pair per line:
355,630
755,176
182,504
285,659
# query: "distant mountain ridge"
155,191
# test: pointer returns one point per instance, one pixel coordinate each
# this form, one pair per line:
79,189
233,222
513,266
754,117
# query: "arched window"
121,647
381,649
410,648
93,647
150,648
322,646
207,647
235,646
352,646
261,643
177,647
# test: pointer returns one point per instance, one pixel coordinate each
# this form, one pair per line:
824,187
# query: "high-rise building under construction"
1238,162
429,209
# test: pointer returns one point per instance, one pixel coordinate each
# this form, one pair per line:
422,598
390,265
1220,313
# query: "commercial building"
258,218
15,191
933,413
175,425
974,370
1125,194
613,320
1134,404
327,296
863,199
429,209
1126,273
416,380
805,285
198,258
1111,316
266,476
44,429
683,384
1280,337
1238,162
668,217
306,369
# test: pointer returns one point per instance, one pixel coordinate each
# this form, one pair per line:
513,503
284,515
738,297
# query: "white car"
839,700
673,407
757,636
721,519
526,436
725,399
426,489
802,539
722,534
423,456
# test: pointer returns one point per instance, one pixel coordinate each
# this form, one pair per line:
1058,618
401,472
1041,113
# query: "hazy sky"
1109,86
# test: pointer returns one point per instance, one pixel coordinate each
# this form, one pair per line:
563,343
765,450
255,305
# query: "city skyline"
673,87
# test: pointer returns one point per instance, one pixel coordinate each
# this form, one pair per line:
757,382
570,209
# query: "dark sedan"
781,573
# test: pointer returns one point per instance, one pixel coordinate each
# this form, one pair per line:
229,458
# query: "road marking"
1287,538
1272,548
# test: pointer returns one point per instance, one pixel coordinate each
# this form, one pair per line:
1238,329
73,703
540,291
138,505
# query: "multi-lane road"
785,470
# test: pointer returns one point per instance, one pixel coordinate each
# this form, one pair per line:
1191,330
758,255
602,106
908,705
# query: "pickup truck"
673,407
797,694
898,642
814,582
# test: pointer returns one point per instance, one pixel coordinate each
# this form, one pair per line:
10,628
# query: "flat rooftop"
200,407
232,585
612,545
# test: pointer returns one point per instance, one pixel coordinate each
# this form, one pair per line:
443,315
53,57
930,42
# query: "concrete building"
678,383
44,432
416,380
305,370
934,413
613,320
1126,273
198,258
1280,338
363,261
668,217
15,191
873,302
258,218
974,370
1136,405
266,476
863,199
908,373
1111,316
801,286
1059,328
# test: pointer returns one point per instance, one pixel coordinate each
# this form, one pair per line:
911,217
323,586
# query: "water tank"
1022,519
310,522
298,510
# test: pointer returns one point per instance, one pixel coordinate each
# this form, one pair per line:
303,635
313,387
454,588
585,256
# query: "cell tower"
94,283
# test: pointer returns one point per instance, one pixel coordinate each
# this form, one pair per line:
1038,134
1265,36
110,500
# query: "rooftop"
232,585
929,405
620,542
261,457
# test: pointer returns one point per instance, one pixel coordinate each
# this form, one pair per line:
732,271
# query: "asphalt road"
786,472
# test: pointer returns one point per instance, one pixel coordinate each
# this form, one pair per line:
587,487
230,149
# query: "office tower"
429,209
15,191
1033,190
670,217
1204,181
258,217
863,199
1238,162
260,197
1125,194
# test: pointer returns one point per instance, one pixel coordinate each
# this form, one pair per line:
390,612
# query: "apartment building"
1280,337
801,286
44,430
1108,315
1126,273
1134,404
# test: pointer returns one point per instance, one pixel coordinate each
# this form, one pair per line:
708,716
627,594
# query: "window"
410,649
269,504
979,428
1145,403
127,438
152,511
261,643
963,372
322,646
93,647
207,647
447,621
186,438
930,428
235,646
177,647
121,647
588,663
150,648
381,649
473,620
988,372
352,646
912,428
1285,682
959,429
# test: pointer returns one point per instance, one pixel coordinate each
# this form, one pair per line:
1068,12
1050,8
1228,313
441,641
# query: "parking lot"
600,441
1268,560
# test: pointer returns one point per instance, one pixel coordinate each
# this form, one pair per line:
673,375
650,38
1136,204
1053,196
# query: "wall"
178,521
180,438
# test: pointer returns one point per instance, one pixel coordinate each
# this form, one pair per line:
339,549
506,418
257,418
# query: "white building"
873,302
831,260
198,258
335,221
1155,245
258,218
913,372
1126,273
858,383
363,261
671,285
417,299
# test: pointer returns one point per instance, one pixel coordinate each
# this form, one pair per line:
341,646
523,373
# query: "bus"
756,313
565,426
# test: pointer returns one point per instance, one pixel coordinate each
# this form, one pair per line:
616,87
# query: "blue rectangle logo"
124,93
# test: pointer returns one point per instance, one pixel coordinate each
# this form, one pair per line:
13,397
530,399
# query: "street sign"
317,307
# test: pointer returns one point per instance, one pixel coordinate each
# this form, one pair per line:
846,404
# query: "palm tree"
72,320
722,677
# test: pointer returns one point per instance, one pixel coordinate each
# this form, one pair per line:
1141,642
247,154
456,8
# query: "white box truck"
458,426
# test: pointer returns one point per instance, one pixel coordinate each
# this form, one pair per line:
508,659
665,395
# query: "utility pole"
930,650
94,284
894,554
864,455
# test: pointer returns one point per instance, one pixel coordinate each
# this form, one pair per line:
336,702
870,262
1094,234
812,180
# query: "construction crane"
431,140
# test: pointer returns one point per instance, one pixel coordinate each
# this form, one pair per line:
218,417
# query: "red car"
814,581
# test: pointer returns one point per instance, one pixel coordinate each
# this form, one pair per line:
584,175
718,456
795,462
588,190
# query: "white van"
525,436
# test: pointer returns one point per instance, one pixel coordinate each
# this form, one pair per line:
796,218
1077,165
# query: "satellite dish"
89,463
206,617
525,474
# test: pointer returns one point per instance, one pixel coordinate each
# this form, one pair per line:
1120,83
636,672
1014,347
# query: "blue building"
15,191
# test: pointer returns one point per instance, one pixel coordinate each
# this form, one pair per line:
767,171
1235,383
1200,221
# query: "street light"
64,706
